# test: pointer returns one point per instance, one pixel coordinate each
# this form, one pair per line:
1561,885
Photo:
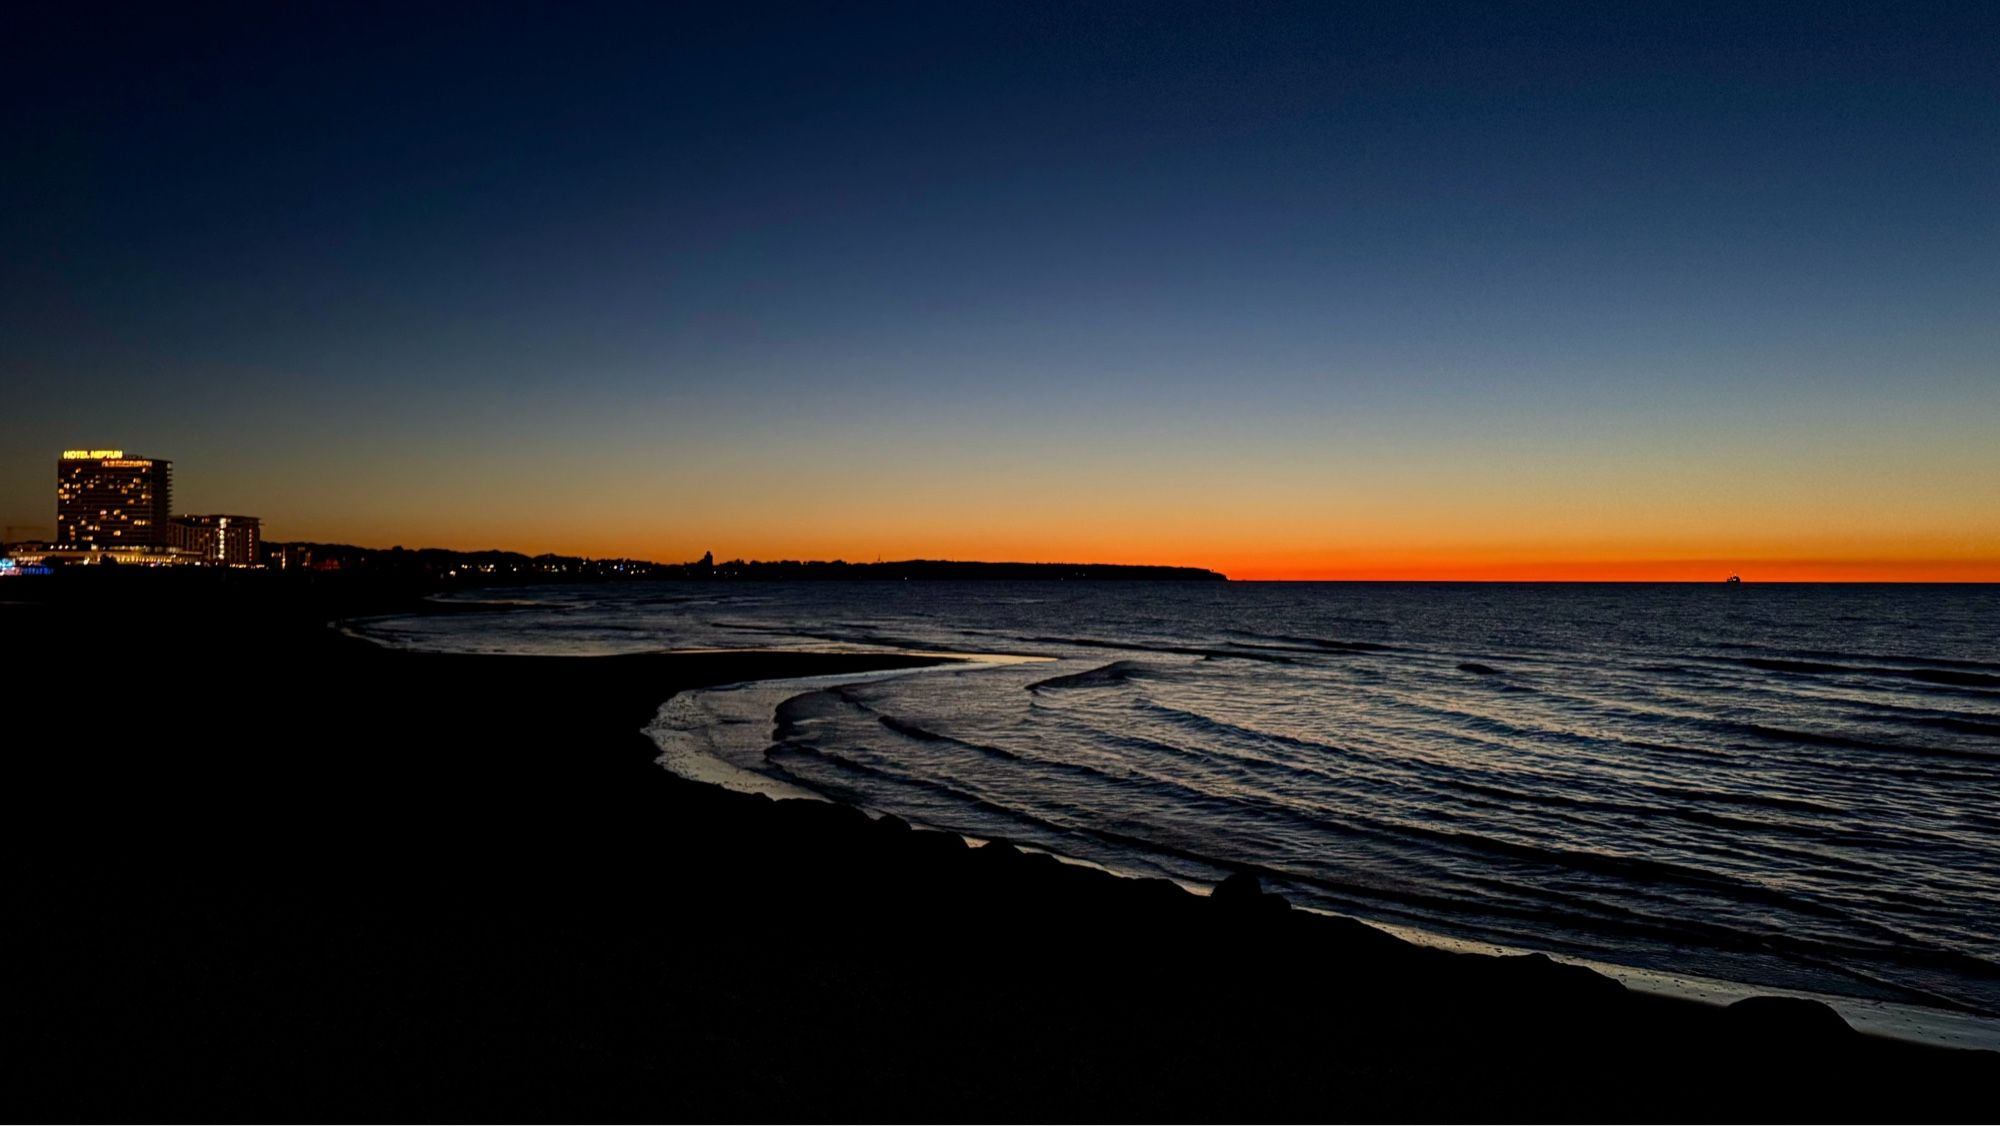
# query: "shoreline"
689,750
699,760
460,886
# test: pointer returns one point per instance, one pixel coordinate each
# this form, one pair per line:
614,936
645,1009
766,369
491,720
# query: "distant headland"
442,563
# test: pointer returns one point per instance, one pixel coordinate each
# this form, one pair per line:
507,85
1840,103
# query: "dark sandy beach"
264,870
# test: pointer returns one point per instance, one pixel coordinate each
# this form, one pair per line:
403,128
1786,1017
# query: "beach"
319,878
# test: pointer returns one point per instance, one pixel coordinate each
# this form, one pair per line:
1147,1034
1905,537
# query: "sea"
1731,787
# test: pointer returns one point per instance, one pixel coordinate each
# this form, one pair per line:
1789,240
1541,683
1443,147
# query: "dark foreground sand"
259,870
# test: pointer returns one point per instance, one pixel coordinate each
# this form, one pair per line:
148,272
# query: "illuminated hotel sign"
90,455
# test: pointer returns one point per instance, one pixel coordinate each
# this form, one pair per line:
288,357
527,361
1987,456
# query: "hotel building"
107,501
228,540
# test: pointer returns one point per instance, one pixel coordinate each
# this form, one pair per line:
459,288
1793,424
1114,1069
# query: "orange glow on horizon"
1669,570
1257,538
1792,505
1502,564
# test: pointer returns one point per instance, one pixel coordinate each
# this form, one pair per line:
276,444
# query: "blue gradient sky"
1289,290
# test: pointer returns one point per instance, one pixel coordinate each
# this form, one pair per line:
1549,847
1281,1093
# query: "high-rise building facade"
105,500
229,540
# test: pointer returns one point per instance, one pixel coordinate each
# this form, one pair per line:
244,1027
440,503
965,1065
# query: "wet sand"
264,870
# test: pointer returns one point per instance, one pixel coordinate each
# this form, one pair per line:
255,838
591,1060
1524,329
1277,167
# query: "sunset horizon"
1344,535
1365,549
1750,569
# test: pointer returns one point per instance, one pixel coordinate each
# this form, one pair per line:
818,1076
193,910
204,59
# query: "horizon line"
1819,571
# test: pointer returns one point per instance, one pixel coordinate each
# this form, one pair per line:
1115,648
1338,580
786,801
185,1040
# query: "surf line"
713,734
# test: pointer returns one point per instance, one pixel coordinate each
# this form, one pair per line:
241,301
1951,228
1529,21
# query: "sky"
1319,291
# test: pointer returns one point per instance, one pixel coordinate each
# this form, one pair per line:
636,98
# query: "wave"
1847,657
1951,677
1959,725
1765,801
1104,676
1849,742
1323,644
1449,785
924,735
1148,647
1774,664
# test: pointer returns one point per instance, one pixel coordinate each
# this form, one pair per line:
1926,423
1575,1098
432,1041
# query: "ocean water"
1786,786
